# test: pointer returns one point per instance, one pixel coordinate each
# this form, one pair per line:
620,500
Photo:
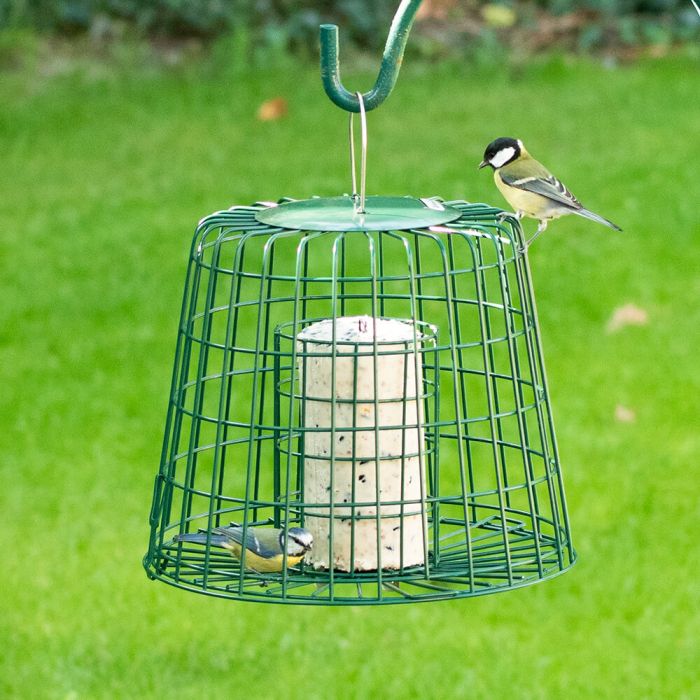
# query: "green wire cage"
370,370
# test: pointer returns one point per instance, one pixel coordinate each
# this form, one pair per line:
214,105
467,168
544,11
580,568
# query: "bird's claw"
517,215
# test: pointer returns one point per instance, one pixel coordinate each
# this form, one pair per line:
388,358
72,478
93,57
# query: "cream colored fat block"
376,485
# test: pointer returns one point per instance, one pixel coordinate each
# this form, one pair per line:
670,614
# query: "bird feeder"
369,369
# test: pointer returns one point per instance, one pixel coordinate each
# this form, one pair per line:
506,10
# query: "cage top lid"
340,214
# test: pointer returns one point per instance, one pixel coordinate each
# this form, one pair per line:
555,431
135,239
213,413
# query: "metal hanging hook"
388,72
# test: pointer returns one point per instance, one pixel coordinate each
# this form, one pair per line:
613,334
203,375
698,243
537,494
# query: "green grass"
104,174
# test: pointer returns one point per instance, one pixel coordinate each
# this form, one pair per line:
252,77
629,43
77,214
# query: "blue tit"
530,188
264,545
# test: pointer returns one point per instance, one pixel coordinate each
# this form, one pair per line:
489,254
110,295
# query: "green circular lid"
338,214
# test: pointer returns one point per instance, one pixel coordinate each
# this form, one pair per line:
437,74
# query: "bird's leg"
263,582
540,229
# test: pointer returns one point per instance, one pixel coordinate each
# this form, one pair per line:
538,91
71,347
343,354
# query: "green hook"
391,61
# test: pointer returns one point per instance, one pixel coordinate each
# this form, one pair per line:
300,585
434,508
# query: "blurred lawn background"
106,167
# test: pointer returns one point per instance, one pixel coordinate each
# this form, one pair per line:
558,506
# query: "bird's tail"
596,217
201,538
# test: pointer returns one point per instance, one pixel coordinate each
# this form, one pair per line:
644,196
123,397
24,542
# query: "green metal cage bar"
492,501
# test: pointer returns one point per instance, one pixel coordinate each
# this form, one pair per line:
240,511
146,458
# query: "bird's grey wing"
262,541
549,187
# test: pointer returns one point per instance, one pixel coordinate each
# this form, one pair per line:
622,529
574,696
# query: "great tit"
530,188
264,545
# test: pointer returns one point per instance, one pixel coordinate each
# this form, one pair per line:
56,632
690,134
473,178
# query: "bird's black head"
501,151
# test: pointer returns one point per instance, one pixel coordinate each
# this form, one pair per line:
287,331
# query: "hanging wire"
358,199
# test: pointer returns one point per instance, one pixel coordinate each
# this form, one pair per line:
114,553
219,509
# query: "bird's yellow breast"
261,564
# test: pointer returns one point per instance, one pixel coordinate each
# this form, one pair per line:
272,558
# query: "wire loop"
359,198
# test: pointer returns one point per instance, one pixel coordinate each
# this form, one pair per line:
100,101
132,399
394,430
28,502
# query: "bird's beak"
483,164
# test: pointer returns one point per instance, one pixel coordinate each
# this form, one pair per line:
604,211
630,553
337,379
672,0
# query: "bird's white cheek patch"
502,157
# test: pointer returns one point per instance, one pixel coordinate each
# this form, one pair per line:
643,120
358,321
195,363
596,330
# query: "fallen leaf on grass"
627,315
435,9
498,16
624,414
273,109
